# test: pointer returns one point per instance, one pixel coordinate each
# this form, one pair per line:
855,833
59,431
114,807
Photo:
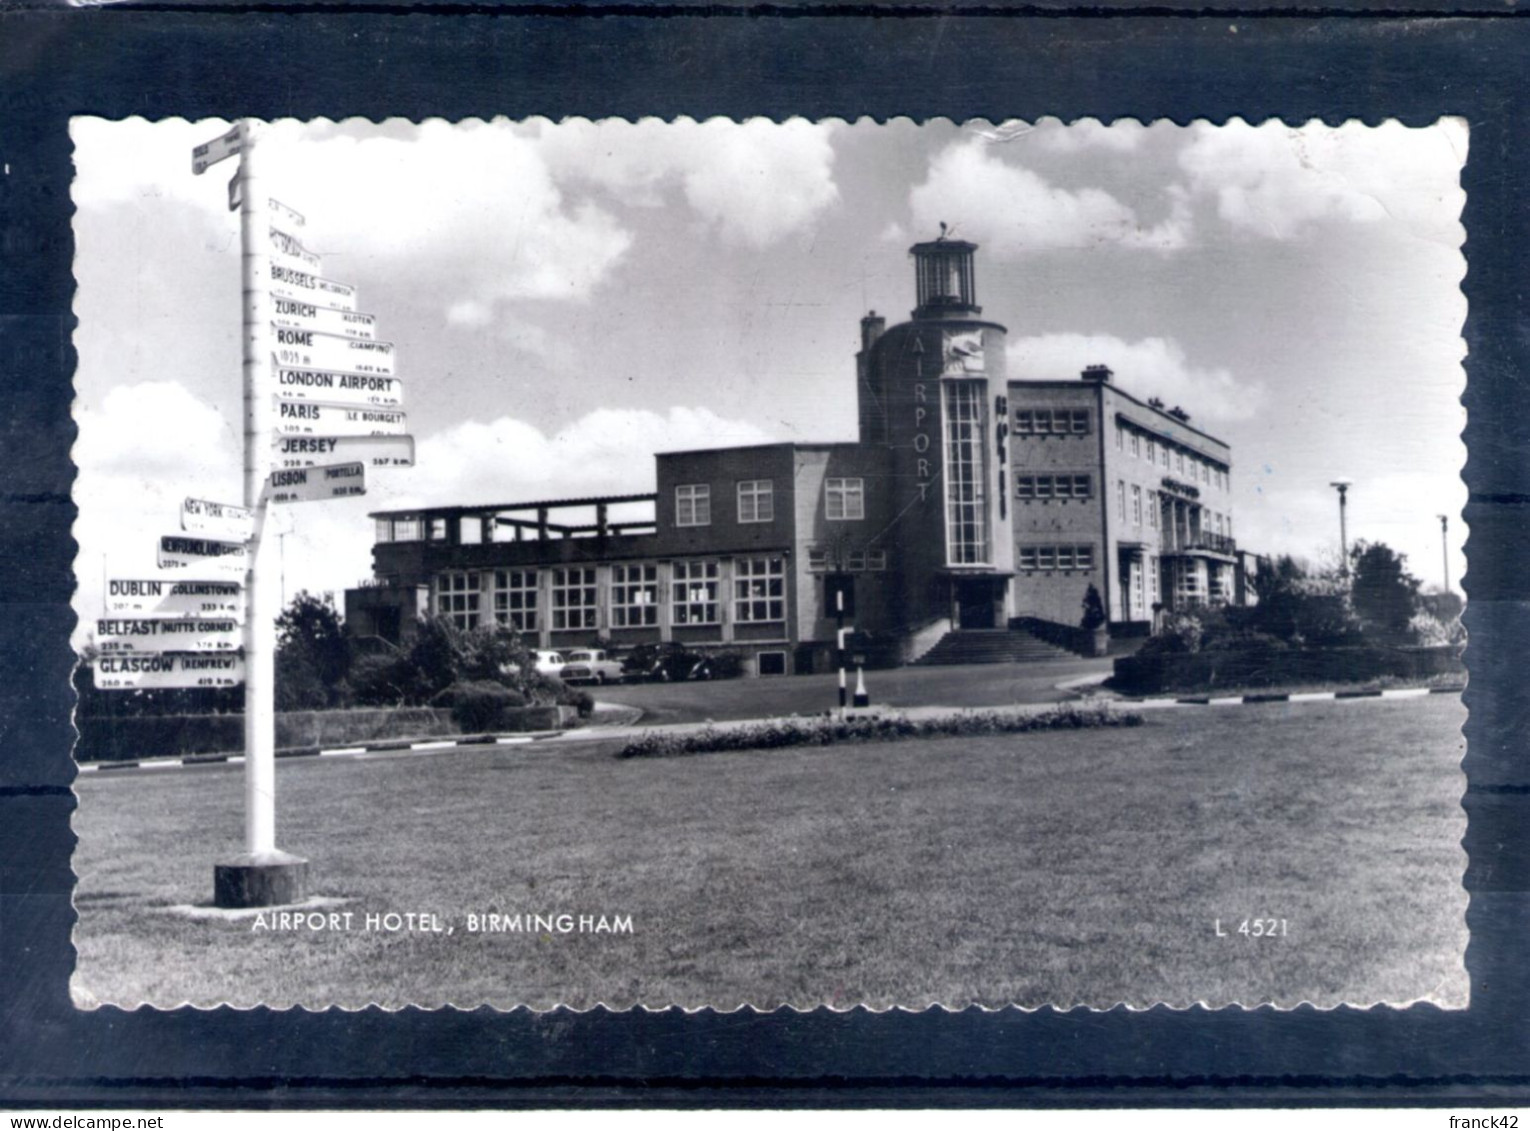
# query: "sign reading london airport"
316,451
217,520
162,597
176,553
291,282
295,314
317,484
147,673
146,635
311,349
313,418
339,388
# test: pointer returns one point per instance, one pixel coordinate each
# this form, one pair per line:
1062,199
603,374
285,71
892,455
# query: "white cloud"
1277,181
1149,367
1121,136
1011,209
756,181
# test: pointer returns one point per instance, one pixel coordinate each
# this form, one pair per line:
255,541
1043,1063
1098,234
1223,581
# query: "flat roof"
536,504
793,444
1080,383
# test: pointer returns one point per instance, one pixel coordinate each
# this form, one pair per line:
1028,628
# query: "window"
574,598
1152,506
818,561
1136,445
844,499
693,504
964,407
1073,556
1024,422
1136,505
693,592
755,500
515,598
457,598
855,561
470,530
772,663
438,530
1121,499
1153,593
1120,437
634,596
1152,450
1079,418
1052,486
1179,462
876,560
759,590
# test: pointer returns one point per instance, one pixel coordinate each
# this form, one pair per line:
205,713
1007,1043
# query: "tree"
1384,593
313,654
1094,609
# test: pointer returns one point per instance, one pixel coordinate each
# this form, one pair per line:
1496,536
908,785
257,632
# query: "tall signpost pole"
263,876
1445,549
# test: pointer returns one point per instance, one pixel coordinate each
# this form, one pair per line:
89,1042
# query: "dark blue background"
201,61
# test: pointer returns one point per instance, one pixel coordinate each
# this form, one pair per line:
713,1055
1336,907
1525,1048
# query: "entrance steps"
991,646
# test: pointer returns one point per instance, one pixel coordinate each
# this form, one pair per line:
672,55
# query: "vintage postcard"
750,564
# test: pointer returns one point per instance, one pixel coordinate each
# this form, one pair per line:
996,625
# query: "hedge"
1274,667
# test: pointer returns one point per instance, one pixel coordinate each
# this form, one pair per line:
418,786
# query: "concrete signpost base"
265,879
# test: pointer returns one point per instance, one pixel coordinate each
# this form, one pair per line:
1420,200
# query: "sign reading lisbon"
311,349
316,484
182,669
152,635
316,451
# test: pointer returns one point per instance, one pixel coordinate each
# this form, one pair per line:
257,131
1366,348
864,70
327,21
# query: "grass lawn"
1086,867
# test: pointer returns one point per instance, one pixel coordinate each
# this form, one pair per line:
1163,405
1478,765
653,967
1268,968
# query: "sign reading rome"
311,349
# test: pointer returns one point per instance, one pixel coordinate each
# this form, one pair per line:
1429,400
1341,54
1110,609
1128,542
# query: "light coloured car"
591,665
550,663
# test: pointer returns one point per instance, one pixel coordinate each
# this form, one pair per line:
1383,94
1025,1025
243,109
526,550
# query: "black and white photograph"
750,564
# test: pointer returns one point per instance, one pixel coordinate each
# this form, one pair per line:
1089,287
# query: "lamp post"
1445,549
1342,486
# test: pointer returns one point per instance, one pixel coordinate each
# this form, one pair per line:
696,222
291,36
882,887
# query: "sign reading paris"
317,419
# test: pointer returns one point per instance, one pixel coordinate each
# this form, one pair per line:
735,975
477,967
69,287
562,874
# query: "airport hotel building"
969,502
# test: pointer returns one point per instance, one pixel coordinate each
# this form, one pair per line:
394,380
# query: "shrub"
480,705
727,663
383,680
825,731
1181,632
1094,609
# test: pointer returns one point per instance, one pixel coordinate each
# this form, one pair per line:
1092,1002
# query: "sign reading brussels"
292,282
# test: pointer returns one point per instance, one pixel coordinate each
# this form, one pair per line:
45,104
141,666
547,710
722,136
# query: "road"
976,685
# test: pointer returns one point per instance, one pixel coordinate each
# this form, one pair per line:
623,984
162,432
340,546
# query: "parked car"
549,663
666,663
590,665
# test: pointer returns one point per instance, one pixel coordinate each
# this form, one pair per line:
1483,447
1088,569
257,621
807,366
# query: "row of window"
844,500
1054,486
1039,558
1160,453
852,561
1216,521
1052,422
694,595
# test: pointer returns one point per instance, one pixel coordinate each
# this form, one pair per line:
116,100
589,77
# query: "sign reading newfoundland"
177,553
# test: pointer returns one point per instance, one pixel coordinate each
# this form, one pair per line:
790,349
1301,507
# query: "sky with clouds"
567,299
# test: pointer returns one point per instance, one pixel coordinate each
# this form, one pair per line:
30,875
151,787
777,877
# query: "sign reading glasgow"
130,672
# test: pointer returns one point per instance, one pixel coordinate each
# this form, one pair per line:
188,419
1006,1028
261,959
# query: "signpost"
217,520
311,349
161,597
314,418
316,484
155,636
338,388
149,673
321,405
316,451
